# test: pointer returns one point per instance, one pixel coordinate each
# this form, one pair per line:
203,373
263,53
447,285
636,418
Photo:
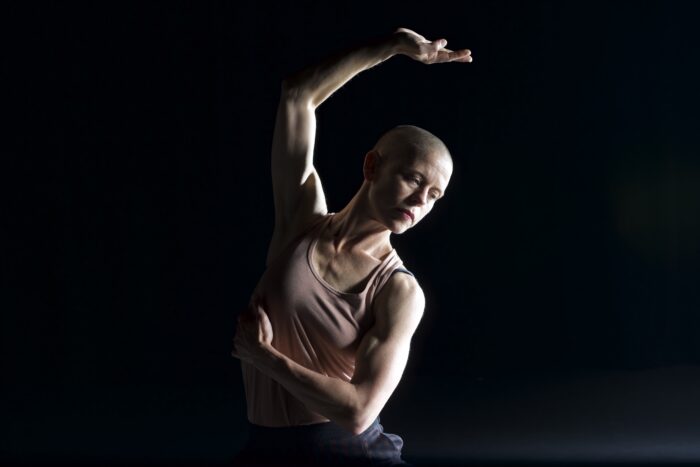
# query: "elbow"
359,429
361,420
351,420
360,426
364,412
360,411
287,87
292,92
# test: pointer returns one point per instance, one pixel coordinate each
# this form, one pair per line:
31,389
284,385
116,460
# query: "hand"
419,48
254,333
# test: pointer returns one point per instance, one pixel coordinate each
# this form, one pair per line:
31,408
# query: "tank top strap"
386,271
402,269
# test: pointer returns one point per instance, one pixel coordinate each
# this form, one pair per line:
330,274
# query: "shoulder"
304,225
400,302
401,283
282,238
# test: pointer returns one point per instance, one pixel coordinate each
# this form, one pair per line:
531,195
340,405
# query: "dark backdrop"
561,270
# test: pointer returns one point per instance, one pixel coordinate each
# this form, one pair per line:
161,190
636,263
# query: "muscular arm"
297,188
380,361
383,351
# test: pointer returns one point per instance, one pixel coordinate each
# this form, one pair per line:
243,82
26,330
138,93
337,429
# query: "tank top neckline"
309,252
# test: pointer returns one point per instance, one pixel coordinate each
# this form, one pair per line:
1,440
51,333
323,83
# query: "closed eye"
413,179
417,181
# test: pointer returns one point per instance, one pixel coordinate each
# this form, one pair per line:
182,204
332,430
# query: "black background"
561,270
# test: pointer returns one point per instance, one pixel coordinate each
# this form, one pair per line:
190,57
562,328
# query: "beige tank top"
315,325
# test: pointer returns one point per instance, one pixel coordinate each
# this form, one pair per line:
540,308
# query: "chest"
345,272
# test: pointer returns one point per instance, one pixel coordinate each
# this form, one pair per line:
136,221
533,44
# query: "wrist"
397,42
265,356
380,49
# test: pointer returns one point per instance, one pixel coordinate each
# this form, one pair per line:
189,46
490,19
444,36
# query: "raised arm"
298,193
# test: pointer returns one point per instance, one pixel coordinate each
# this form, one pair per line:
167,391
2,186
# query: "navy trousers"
319,444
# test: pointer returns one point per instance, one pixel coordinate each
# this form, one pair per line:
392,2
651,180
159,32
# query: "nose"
419,197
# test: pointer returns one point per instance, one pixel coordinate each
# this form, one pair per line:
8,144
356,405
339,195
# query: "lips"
409,213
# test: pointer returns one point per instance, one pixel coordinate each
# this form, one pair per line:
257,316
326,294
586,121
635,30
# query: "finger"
463,53
465,57
448,55
257,312
262,314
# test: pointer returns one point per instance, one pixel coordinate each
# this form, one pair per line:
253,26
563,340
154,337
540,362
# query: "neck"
355,229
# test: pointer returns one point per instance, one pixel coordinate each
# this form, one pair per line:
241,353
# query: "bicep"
298,193
383,352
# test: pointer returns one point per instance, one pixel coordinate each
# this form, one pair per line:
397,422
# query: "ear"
371,165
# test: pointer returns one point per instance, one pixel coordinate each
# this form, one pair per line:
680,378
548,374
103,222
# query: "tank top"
313,324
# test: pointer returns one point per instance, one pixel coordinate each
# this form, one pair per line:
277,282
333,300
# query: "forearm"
333,398
317,83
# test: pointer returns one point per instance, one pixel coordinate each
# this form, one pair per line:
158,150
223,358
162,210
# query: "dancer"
326,335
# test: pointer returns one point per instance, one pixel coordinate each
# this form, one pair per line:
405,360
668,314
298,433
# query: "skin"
402,174
408,168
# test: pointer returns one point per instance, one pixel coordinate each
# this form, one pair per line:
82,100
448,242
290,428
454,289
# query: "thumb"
256,301
260,305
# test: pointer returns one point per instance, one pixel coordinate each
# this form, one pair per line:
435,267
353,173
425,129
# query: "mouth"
408,214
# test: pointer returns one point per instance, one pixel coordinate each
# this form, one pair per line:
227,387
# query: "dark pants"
320,444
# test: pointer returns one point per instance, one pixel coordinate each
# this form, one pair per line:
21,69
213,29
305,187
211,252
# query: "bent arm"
383,352
297,188
315,84
381,359
298,192
331,397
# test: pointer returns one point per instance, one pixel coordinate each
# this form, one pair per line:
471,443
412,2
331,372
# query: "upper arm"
383,352
297,190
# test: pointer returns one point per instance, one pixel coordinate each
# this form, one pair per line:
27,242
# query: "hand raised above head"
417,47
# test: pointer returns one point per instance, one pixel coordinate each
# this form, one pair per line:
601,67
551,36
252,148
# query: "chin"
400,229
397,227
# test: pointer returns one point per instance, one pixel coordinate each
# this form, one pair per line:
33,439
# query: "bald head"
405,142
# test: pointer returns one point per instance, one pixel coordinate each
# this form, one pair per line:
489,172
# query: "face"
413,183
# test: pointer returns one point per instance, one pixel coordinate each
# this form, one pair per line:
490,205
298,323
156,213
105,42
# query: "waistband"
304,431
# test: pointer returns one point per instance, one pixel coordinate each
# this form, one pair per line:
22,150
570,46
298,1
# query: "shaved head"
408,170
405,142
